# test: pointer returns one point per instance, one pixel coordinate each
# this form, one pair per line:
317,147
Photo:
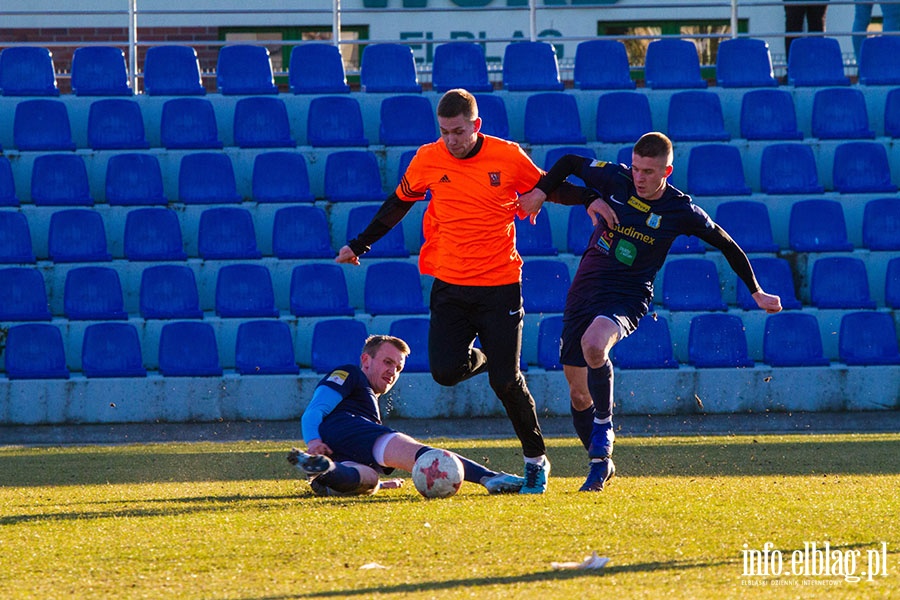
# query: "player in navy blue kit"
637,217
349,448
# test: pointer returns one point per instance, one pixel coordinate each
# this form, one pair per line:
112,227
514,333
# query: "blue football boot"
601,472
602,438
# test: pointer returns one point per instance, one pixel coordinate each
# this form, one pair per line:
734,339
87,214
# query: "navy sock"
472,471
583,420
600,385
342,479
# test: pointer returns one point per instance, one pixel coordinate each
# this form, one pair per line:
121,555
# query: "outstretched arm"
322,403
391,212
739,262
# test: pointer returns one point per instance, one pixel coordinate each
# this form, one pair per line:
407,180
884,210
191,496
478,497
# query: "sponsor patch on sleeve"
338,377
598,163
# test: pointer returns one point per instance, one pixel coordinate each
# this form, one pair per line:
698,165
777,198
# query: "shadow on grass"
708,457
472,584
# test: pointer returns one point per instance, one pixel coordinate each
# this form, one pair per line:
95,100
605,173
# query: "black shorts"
625,312
352,438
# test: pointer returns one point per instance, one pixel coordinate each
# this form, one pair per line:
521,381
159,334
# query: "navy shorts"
352,438
625,312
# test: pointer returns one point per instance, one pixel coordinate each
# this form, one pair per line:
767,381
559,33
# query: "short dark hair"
654,145
458,102
374,342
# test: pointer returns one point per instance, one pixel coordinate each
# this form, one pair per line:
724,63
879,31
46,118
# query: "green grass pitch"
234,521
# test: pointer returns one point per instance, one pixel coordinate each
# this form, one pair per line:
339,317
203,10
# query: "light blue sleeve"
322,403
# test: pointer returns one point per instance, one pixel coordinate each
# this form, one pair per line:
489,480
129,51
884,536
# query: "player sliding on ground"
348,448
636,219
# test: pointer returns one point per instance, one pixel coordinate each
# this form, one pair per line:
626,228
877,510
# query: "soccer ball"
437,474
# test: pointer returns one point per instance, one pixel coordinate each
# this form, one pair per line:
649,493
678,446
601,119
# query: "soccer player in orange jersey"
470,249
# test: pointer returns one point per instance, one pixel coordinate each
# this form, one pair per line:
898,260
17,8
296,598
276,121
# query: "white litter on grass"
590,562
373,565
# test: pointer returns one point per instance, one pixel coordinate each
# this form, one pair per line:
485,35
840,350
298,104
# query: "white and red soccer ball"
437,474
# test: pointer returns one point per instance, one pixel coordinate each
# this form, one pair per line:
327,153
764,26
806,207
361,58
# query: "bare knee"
595,356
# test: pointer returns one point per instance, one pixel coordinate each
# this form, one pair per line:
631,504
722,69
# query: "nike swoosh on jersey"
613,198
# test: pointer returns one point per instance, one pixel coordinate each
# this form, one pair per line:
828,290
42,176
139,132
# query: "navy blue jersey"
358,396
625,259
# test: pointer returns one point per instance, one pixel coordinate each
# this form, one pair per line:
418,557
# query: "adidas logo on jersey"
445,179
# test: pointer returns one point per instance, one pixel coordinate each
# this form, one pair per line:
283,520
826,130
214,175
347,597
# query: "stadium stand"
353,176
602,65
840,282
687,244
696,116
881,224
892,283
262,122
878,60
116,124
578,230
189,123
317,68
414,331
460,65
134,179
393,288
280,176
335,121
301,232
207,178
407,121
388,68
60,180
244,69
319,290
172,71
188,349
818,226
691,284
774,275
649,347
42,124
892,114
227,232
554,154
112,350
265,348
77,235
545,283
15,239
548,345
530,67
868,338
494,118
27,71
35,351
789,168
748,223
392,245
552,118
716,170
245,290
862,167
744,63
336,342
23,296
793,339
100,71
718,341
623,117
816,62
672,64
93,294
768,114
153,234
7,184
169,292
840,114
537,239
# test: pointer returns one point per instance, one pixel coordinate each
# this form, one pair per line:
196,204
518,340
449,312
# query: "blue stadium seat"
134,179
15,239
816,62
353,176
537,239
460,65
840,114
878,60
172,71
405,159
281,176
687,244
744,62
23,296
623,117
265,348
27,71
153,234
818,226
407,121
388,68
77,235
602,65
692,284
35,351
624,156
207,178
188,349
7,184
672,64
318,290
93,294
301,232
716,170
169,292
530,66
42,124
840,282
335,121
718,341
789,168
868,338
793,340
413,331
545,284
393,288
112,350
649,347
892,114
317,68
552,118
892,283
189,123
227,232
60,180
861,167
578,230
696,116
769,115
775,277
494,120
100,71
554,154
262,122
116,124
337,342
549,342
392,245
244,69
245,290
747,222
881,224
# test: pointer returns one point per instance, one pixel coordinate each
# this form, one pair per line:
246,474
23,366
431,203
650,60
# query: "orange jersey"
469,229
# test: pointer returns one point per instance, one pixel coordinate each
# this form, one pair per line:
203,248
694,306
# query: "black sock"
583,420
600,385
342,479
472,471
